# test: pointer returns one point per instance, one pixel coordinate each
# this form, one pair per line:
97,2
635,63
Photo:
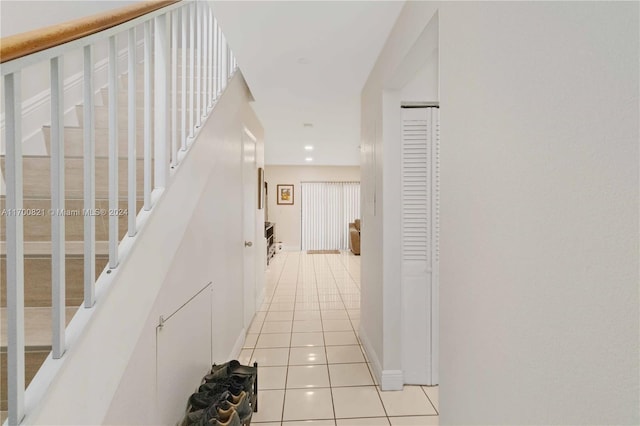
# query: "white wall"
539,209
539,266
424,86
288,218
115,374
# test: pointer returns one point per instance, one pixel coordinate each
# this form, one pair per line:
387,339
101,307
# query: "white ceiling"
306,62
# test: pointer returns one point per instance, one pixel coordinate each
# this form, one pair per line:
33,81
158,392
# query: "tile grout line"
363,355
340,293
326,355
431,402
358,284
352,328
267,312
286,374
253,351
342,290
362,351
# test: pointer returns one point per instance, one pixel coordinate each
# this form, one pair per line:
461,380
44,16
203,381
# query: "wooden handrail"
19,45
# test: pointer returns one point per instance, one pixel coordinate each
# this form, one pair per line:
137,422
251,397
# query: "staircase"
159,31
37,226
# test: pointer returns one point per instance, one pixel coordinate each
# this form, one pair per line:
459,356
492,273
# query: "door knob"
248,243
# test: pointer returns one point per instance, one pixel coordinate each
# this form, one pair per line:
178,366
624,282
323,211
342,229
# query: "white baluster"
211,56
113,153
89,162
174,88
199,65
192,70
225,64
57,205
205,58
184,12
216,59
132,130
147,115
15,248
229,69
219,65
212,77
161,102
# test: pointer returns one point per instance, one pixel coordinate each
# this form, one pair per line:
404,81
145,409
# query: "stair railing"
174,35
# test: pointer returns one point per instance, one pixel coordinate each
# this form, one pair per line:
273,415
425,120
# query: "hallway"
311,364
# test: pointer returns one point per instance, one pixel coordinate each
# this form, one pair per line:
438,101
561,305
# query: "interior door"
420,193
249,212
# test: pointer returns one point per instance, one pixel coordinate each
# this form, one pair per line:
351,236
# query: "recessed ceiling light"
309,147
308,159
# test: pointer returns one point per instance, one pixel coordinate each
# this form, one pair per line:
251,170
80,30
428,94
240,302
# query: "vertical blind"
327,210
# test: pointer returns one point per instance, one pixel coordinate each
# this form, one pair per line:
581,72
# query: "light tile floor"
312,368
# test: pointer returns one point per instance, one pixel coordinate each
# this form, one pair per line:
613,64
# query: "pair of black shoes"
226,397
240,376
227,410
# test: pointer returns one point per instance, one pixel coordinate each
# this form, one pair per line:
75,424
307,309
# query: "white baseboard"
389,379
392,380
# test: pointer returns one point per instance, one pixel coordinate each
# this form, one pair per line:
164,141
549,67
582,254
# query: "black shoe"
219,387
236,382
192,418
202,400
220,420
240,404
231,368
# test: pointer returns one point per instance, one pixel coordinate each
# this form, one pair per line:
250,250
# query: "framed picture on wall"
285,195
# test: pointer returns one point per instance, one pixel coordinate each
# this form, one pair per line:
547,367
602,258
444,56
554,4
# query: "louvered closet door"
419,241
416,181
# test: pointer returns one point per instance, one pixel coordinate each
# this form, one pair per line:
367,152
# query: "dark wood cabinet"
269,234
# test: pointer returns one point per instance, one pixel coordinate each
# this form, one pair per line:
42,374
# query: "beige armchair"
354,237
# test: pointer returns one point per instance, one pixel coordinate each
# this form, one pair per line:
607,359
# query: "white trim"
435,275
392,380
